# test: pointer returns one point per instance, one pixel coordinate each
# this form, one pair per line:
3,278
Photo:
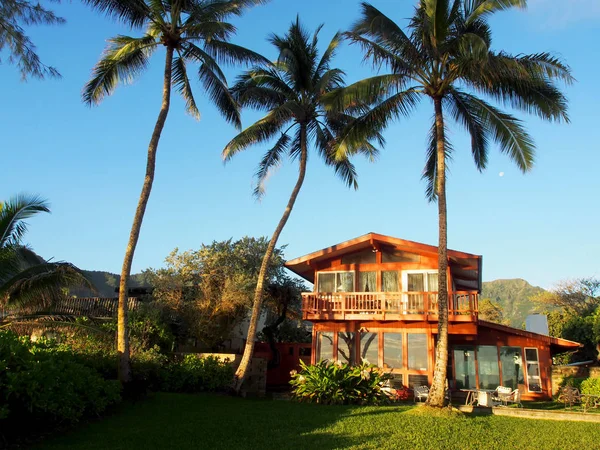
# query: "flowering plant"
339,383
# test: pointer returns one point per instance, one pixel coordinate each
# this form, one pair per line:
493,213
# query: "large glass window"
364,257
418,355
393,256
324,346
534,381
464,367
367,281
392,351
335,282
389,281
347,347
512,367
369,347
489,373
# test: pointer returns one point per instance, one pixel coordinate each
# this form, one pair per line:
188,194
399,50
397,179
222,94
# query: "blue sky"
89,162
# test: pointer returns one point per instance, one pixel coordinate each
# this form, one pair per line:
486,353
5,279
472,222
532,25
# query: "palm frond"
367,91
182,83
270,162
41,285
220,95
507,131
478,9
228,53
430,173
123,60
14,212
131,12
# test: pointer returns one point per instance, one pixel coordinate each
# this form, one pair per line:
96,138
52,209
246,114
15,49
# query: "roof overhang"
557,345
465,267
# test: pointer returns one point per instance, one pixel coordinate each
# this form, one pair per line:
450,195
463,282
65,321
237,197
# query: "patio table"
471,396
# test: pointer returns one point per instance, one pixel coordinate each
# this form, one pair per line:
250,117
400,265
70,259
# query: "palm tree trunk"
122,332
436,394
242,370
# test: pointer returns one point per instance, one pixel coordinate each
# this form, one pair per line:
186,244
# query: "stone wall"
560,372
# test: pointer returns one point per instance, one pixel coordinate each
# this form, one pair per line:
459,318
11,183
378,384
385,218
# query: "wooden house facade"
375,299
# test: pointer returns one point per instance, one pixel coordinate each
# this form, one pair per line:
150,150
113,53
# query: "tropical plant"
192,32
339,384
14,14
27,282
446,56
291,90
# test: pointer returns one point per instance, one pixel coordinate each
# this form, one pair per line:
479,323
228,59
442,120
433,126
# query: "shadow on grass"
217,422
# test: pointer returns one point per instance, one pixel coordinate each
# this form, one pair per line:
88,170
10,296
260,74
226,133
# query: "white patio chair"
421,393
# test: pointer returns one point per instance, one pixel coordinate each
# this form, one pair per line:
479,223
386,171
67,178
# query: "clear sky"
89,162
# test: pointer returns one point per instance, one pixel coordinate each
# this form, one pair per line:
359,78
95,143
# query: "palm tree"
192,32
291,90
446,57
27,281
14,14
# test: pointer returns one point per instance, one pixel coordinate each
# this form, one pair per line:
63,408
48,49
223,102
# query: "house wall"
463,334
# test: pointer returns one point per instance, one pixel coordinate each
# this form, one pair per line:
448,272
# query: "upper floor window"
367,281
421,281
335,282
364,257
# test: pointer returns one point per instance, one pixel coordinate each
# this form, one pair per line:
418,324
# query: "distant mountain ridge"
513,296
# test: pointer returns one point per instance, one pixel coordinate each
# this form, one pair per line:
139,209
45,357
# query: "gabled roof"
557,344
465,267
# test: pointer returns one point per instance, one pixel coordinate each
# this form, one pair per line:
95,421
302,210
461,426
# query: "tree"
14,14
446,57
291,90
192,32
573,311
490,311
27,282
207,293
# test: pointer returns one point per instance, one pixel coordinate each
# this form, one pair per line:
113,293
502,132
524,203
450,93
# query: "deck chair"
420,393
506,396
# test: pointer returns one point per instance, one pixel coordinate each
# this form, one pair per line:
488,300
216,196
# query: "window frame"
333,272
526,367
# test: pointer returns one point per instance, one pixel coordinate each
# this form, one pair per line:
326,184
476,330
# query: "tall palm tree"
26,280
445,55
14,15
192,32
291,90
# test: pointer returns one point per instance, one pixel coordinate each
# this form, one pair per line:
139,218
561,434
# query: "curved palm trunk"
242,370
122,332
436,394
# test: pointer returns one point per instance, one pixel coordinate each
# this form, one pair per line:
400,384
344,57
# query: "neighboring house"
375,298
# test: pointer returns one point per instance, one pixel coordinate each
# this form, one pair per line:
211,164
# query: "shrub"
338,383
572,382
39,381
194,374
590,386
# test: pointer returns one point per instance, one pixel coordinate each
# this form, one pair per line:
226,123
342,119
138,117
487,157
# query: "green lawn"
215,422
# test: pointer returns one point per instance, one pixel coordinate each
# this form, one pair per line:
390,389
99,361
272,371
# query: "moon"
501,174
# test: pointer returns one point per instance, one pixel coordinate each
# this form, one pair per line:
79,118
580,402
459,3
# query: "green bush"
39,381
338,383
195,374
572,382
590,386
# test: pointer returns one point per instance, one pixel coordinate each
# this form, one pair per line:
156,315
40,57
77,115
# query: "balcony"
404,306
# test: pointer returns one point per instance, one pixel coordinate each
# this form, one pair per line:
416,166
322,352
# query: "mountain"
106,283
513,296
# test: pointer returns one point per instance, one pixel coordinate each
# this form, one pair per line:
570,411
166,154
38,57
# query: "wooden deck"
403,306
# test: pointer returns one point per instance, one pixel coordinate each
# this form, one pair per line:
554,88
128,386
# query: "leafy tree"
27,282
573,311
192,32
445,56
208,292
14,14
291,91
490,311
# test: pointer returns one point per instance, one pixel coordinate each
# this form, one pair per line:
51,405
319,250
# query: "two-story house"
375,298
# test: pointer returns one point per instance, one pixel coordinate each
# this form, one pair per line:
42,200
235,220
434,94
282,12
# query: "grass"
185,421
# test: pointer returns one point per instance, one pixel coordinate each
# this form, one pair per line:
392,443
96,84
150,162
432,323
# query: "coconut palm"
26,281
14,15
445,56
191,32
291,90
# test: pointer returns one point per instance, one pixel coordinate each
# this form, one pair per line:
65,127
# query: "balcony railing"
462,306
